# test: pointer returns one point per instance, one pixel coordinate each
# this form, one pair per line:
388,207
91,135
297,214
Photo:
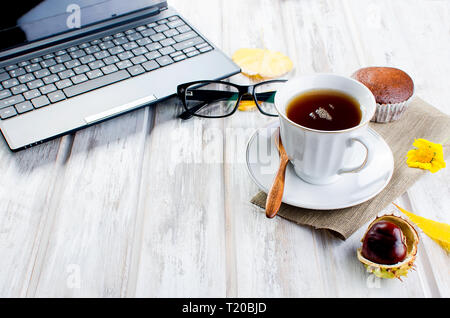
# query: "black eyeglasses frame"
244,91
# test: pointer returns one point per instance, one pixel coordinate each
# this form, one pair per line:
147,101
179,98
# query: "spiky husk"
399,269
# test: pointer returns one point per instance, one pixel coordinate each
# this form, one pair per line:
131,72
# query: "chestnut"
384,243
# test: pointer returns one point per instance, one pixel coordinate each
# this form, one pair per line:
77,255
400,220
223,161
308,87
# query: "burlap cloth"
421,120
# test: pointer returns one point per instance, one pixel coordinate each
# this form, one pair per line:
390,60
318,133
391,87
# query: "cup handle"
369,155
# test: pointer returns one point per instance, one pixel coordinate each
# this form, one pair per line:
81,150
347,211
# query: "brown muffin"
389,85
392,89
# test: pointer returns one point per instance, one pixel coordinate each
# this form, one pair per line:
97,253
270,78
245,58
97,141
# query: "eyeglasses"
217,99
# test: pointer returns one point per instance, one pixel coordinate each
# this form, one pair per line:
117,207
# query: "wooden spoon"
275,195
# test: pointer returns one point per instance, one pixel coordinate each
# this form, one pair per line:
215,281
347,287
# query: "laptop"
69,64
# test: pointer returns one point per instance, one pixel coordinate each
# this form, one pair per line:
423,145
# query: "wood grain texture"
149,205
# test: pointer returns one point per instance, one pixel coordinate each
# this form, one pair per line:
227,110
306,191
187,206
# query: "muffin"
393,90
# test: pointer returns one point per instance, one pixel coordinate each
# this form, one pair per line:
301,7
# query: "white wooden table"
148,205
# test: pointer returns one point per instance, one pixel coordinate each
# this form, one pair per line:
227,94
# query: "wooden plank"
85,250
182,236
400,35
27,186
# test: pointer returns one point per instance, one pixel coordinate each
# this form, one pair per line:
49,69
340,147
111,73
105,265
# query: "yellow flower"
427,155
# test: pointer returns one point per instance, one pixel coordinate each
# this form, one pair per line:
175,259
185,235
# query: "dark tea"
324,109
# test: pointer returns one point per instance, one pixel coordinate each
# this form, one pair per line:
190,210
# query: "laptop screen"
31,20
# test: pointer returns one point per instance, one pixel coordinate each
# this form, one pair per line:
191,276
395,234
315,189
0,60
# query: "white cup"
321,157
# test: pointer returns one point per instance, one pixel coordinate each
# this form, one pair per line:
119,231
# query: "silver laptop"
69,64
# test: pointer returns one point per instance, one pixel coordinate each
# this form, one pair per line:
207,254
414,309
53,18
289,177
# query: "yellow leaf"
262,63
245,105
439,232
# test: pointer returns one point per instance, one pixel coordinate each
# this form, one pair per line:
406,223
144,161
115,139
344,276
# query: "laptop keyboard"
48,79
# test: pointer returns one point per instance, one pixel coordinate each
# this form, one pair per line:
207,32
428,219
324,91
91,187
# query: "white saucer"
351,189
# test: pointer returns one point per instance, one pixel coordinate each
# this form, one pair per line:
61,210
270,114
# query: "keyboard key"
63,58
143,41
77,54
167,42
192,53
51,79
63,84
148,32
33,67
101,55
4,76
164,60
57,68
136,70
60,52
87,59
94,74
175,23
48,56
179,58
23,63
119,35
32,94
161,28
138,59
36,60
92,49
151,25
135,36
109,69
150,65
189,49
205,49
42,73
157,37
66,74
152,55
79,78
106,45
184,28
83,45
176,54
35,84
96,83
40,101
170,33
48,63
111,60
10,83
56,96
95,42
17,72
173,18
124,64
153,46
139,51
72,64
199,46
185,36
8,112
120,41
188,43
5,93
11,101
116,50
19,89
162,21
130,46
125,55
24,107
26,78
47,89
11,67
166,50
141,28
81,69
96,64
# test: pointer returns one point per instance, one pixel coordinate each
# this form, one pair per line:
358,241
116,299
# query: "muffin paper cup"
390,112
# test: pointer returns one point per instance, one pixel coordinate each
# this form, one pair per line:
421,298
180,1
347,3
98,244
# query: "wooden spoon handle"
275,195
